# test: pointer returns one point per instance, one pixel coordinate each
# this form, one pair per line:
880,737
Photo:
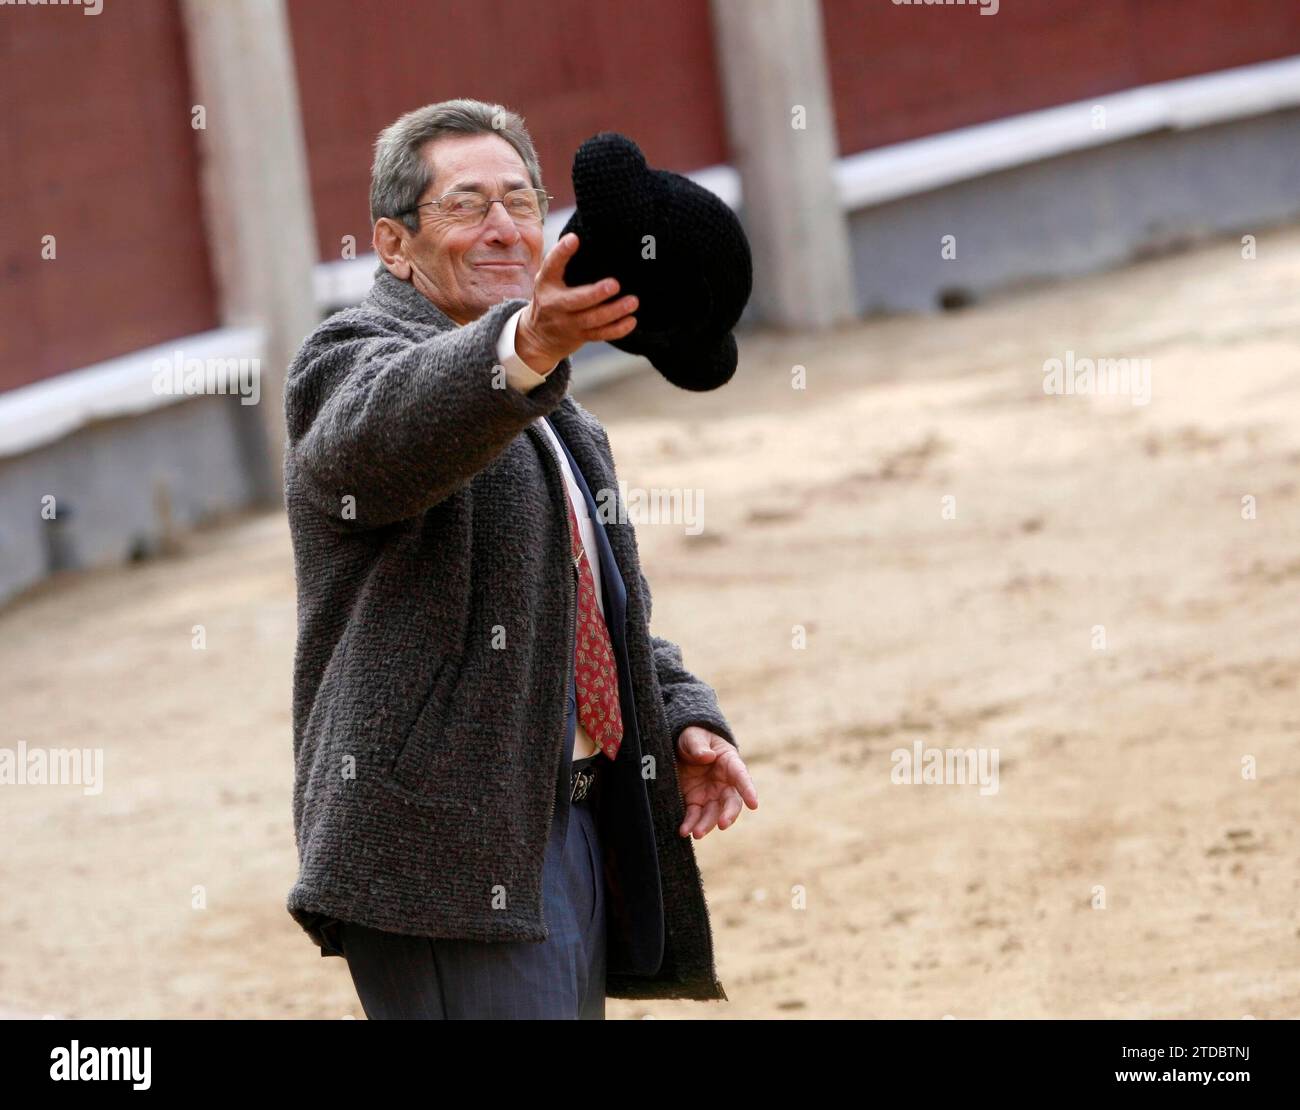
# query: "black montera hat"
678,247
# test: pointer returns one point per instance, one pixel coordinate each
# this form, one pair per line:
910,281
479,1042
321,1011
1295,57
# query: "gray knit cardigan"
430,705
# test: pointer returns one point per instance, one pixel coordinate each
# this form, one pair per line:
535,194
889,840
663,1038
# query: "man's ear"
389,241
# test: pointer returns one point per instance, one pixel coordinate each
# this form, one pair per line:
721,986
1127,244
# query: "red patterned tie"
596,671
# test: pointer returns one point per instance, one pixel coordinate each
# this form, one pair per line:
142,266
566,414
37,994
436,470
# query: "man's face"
465,270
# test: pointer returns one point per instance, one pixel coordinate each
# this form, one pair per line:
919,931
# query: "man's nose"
500,224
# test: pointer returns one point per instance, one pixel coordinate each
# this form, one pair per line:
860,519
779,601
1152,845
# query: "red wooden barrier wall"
570,67
901,71
98,152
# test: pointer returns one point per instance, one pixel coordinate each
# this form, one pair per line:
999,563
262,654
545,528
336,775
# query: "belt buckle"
582,783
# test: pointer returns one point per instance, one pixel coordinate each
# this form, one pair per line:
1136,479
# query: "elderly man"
499,769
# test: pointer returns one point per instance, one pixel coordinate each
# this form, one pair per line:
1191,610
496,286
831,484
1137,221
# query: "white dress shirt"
522,377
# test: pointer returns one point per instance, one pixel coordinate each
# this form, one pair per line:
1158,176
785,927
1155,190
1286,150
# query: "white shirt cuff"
518,373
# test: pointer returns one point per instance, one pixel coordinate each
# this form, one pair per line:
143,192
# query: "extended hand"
714,781
561,319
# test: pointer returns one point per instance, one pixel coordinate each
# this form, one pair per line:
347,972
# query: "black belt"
583,777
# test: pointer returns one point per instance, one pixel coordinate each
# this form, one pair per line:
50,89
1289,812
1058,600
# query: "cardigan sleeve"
382,426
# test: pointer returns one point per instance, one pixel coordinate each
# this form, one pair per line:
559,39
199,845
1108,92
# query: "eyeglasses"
468,207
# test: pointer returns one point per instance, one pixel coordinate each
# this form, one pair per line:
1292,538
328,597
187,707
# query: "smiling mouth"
499,265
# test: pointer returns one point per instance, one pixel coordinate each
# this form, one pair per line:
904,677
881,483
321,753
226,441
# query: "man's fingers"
562,318
582,297
688,822
610,311
731,810
691,743
557,258
613,331
558,299
578,297
551,274
708,818
739,777
603,315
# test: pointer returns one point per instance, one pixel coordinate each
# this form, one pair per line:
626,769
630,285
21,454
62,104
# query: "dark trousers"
398,976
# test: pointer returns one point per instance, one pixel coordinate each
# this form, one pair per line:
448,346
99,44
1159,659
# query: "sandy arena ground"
1120,767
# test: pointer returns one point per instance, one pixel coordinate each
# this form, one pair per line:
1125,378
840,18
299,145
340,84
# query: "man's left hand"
714,781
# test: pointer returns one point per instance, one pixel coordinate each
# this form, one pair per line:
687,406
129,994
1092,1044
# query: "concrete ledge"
919,165
1079,212
120,488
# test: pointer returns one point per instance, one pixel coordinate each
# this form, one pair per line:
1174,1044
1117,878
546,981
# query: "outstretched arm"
397,425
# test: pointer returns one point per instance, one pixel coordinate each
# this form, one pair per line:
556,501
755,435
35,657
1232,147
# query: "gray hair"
399,174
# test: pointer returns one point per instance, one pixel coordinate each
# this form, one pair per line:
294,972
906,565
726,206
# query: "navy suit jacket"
622,806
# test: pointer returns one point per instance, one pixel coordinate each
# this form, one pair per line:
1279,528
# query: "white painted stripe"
44,411
903,169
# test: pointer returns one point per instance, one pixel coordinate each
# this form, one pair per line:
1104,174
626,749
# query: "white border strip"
903,169
43,411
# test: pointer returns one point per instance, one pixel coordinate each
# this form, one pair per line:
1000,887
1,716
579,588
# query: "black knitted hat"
692,278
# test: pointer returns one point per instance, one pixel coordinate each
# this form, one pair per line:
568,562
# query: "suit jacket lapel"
611,577
636,929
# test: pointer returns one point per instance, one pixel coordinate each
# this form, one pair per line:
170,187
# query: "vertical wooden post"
261,226
782,129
